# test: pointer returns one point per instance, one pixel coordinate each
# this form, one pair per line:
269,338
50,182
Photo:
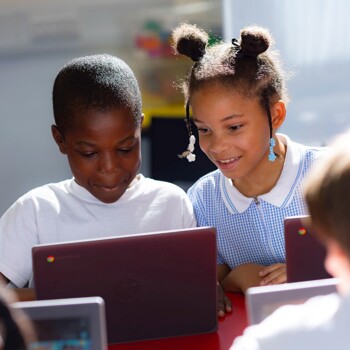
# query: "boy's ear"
59,139
278,114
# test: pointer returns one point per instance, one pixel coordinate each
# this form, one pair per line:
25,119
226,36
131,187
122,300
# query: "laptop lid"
262,301
154,285
77,323
305,255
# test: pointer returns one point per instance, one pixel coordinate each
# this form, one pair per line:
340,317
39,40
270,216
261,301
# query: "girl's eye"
203,130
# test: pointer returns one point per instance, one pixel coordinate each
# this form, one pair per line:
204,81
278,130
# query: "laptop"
262,301
77,323
155,285
305,255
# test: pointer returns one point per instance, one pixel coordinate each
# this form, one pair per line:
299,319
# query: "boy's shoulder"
154,185
47,191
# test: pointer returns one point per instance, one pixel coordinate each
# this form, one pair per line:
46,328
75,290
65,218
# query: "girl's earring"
272,155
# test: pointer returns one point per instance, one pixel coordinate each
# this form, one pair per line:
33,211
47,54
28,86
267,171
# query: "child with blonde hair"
322,322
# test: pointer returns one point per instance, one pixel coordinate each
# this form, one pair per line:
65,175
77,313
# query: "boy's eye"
127,149
236,127
124,150
88,154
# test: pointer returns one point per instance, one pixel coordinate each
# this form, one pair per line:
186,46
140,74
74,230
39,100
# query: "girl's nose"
218,144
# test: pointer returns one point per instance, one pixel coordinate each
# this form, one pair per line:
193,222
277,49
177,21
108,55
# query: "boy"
97,111
322,322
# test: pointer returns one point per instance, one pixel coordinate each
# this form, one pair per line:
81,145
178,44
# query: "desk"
229,328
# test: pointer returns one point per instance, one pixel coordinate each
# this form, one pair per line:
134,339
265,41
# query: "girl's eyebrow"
233,116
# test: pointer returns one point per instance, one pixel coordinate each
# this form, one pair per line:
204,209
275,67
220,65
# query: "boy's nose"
108,163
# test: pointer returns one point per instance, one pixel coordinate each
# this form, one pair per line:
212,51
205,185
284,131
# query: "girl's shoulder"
313,153
207,181
305,153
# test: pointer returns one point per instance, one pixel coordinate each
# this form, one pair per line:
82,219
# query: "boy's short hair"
327,192
98,82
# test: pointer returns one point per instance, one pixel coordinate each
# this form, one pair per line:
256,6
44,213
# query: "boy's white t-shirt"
65,211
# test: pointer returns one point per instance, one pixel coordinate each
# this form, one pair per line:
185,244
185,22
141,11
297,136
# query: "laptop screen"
76,335
67,324
262,301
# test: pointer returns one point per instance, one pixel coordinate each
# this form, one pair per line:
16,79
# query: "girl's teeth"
227,160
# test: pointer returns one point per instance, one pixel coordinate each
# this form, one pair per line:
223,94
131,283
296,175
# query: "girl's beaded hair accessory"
191,157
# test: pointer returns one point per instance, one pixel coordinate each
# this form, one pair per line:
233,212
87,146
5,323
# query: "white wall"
37,37
28,155
313,39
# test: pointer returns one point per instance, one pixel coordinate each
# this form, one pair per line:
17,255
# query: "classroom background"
38,37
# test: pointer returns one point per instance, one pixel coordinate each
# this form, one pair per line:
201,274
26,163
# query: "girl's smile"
234,134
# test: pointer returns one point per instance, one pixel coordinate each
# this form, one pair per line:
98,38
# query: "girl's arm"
242,277
252,275
273,274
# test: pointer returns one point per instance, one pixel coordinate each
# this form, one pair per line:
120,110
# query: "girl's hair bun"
189,40
255,40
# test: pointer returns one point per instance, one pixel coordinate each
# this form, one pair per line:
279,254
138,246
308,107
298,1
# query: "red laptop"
305,255
154,285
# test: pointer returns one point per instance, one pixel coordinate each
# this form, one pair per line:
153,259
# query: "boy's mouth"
110,187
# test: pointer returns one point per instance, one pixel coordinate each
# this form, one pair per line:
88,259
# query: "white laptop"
262,301
75,323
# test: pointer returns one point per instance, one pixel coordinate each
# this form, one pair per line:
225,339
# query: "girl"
238,99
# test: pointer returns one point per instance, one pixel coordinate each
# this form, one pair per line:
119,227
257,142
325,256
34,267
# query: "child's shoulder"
41,198
208,181
313,153
47,191
159,186
307,152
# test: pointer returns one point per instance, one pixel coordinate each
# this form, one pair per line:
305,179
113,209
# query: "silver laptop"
155,285
77,323
262,301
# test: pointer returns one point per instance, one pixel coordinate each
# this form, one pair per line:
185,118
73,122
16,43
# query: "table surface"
229,328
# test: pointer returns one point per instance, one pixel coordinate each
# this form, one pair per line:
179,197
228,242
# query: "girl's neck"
264,179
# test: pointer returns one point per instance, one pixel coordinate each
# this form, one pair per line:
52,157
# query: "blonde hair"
327,192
